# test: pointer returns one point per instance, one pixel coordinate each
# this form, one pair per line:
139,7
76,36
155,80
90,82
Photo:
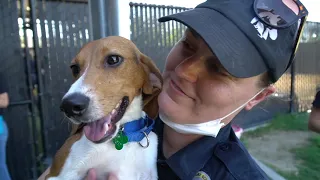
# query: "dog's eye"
113,60
75,69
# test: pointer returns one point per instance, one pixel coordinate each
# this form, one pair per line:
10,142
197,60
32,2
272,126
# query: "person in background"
4,103
314,118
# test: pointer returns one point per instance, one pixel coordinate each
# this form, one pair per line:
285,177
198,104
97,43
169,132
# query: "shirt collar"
189,160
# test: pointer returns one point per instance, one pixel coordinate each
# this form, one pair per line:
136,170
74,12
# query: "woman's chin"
169,107
167,104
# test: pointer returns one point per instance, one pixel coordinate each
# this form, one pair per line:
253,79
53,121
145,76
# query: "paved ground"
279,155
270,172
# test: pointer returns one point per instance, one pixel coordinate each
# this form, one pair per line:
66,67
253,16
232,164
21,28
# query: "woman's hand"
92,175
4,100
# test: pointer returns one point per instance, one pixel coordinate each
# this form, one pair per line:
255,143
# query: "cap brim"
233,49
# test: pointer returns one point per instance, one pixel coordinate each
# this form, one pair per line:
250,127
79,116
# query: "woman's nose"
190,69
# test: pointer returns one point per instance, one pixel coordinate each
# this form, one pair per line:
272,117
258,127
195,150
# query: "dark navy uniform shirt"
220,158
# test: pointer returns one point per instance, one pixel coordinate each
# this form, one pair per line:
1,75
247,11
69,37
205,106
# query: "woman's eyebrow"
214,57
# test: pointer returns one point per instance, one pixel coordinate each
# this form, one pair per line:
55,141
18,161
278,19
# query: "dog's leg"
77,162
154,174
151,175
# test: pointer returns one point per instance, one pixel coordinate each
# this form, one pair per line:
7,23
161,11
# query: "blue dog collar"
134,131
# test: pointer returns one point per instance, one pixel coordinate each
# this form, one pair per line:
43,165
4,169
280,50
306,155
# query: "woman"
226,61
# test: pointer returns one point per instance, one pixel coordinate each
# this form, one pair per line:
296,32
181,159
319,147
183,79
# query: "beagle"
111,104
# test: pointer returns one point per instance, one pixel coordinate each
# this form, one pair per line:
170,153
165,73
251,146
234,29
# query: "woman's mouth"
177,88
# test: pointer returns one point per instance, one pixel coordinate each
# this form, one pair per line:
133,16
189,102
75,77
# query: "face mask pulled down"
210,128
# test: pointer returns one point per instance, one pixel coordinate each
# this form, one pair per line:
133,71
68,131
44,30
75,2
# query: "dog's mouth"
105,128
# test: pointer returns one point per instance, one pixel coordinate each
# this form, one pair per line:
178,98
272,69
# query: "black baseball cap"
244,45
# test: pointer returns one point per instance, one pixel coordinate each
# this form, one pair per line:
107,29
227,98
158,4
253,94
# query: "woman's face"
198,89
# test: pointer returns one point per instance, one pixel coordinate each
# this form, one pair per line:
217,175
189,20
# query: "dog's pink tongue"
96,130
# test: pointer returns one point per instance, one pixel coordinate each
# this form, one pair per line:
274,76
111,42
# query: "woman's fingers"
112,176
91,175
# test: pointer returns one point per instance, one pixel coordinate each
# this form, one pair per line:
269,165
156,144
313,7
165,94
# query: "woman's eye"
214,68
113,60
75,68
187,45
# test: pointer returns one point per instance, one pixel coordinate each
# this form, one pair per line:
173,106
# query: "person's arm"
4,100
4,97
314,118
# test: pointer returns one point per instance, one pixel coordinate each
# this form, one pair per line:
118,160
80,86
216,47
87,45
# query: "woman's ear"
152,86
259,98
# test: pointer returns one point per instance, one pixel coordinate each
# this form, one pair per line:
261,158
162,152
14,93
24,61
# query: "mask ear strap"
166,120
243,104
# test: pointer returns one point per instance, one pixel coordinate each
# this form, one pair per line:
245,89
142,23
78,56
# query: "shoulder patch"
201,175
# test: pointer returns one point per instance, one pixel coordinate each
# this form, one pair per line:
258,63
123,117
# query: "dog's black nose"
74,104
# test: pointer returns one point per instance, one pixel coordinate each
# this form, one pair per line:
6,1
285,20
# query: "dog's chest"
131,162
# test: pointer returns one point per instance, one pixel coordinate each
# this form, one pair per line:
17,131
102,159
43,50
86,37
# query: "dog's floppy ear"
151,87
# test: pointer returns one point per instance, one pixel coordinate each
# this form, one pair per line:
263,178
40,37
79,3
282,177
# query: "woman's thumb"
112,176
91,175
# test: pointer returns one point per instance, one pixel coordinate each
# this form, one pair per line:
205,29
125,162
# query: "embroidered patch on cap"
201,176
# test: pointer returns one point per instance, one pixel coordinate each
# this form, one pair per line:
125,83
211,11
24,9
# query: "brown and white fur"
137,78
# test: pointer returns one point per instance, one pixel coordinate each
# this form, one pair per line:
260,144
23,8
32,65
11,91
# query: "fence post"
27,59
104,18
40,103
292,88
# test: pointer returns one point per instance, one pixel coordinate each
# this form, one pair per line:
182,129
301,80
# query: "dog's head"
109,74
